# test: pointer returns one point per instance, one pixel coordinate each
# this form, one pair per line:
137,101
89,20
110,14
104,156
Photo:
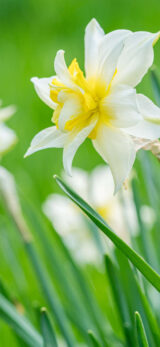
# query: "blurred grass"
30,34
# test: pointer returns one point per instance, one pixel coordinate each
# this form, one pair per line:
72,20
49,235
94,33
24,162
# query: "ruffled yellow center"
89,95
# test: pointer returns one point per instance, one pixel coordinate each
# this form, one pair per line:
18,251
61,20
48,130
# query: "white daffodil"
70,223
7,136
103,104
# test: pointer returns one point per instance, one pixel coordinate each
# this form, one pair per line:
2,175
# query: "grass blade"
140,332
47,330
50,295
151,318
119,299
19,324
93,339
133,256
155,86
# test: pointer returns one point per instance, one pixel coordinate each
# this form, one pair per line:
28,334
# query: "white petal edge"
42,88
62,71
47,138
118,150
72,144
136,58
101,186
109,52
121,106
93,36
149,126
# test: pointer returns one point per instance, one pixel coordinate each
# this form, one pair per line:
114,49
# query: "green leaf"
50,295
76,308
133,256
155,86
140,332
144,235
47,330
119,299
93,339
150,316
19,323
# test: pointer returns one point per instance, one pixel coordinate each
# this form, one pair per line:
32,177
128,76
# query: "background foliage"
30,34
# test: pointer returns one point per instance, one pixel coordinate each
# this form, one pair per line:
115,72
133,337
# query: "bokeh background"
31,32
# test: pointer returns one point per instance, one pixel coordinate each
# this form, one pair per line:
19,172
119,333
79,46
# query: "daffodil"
101,104
7,135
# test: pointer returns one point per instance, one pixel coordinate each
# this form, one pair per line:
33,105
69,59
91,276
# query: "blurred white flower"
148,215
7,136
70,224
103,105
8,192
97,189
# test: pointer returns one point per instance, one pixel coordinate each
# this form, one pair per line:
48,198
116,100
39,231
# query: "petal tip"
34,79
28,152
93,22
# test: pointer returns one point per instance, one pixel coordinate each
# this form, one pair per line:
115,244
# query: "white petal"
110,41
101,186
79,182
93,36
74,141
136,58
7,112
149,126
62,70
121,106
118,150
63,215
7,138
109,51
43,90
72,107
47,138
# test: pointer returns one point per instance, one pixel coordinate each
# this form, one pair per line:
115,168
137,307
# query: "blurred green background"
31,32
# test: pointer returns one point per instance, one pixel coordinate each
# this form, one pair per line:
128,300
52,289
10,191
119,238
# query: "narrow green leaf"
47,330
19,323
151,318
144,235
92,309
119,299
155,86
140,332
50,295
133,256
93,339
54,260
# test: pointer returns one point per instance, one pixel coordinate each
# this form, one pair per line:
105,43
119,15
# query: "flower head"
7,135
102,104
